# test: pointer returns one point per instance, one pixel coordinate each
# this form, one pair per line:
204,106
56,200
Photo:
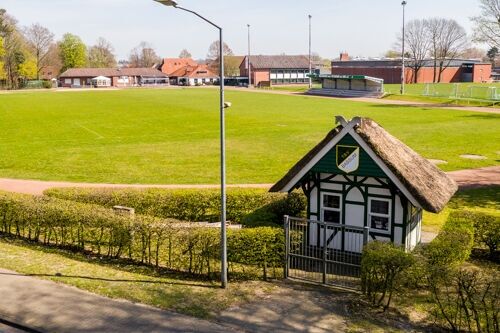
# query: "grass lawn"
171,135
116,279
485,199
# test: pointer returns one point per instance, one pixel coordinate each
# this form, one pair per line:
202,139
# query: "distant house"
276,70
171,65
49,72
119,77
193,76
458,70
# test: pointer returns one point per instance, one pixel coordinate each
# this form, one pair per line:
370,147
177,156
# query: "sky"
360,27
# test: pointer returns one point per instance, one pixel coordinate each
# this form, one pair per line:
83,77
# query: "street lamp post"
403,74
223,105
248,61
310,54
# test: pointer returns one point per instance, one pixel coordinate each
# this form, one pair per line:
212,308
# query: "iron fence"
323,252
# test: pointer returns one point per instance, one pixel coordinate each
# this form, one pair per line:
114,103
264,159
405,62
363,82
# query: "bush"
454,243
189,205
381,265
272,214
486,230
469,301
164,243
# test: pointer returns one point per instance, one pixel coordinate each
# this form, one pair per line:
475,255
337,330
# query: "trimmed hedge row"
248,206
164,243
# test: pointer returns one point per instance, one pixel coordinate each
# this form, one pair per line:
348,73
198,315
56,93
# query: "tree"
473,53
392,54
487,25
3,75
418,45
13,45
213,55
73,52
185,54
39,40
451,43
143,56
28,69
492,54
101,55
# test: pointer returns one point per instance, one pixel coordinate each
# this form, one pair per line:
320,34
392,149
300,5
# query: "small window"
379,214
331,208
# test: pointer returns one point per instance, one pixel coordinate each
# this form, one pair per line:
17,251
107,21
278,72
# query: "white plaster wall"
354,215
380,191
330,186
355,195
313,199
398,235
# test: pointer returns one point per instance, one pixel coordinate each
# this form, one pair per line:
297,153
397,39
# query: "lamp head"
169,3
404,3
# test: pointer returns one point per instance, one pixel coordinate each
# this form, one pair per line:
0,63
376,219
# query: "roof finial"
340,120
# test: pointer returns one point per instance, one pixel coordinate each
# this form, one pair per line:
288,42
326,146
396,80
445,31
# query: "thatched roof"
429,186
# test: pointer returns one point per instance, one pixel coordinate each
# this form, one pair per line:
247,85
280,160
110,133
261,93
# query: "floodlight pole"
403,74
223,247
310,50
248,61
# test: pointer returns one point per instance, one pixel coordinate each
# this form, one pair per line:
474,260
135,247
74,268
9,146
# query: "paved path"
464,178
377,101
473,178
47,306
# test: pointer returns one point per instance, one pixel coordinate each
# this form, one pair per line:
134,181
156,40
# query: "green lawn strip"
172,136
484,199
135,283
443,100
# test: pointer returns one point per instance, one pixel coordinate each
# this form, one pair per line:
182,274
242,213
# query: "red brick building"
459,70
276,70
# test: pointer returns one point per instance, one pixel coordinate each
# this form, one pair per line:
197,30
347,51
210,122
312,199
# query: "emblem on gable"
347,158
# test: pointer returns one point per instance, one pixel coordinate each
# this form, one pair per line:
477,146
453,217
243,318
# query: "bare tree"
185,54
418,44
39,40
143,56
452,43
434,29
473,53
101,55
213,55
487,25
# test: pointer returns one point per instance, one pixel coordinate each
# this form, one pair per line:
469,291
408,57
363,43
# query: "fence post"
325,251
366,234
287,245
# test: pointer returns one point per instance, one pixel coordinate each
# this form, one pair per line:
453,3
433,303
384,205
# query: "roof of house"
111,72
170,65
233,61
196,72
429,186
279,61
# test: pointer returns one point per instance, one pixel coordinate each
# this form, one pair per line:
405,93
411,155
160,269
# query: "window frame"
388,215
323,208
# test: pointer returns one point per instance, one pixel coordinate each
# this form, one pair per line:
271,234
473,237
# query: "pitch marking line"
99,136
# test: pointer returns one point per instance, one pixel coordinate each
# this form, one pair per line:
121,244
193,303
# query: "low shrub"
486,230
453,245
167,243
198,205
381,265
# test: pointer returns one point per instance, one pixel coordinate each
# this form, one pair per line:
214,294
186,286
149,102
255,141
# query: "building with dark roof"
458,70
120,77
277,69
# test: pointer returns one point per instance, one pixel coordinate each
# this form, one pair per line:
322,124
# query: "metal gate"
323,252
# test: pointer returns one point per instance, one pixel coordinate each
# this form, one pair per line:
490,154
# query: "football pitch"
171,136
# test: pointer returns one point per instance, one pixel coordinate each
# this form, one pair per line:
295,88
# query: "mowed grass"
171,136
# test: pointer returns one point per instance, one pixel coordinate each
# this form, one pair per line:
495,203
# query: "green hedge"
453,244
167,243
196,205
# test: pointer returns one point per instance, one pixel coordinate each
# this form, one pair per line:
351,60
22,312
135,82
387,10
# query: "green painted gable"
367,167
